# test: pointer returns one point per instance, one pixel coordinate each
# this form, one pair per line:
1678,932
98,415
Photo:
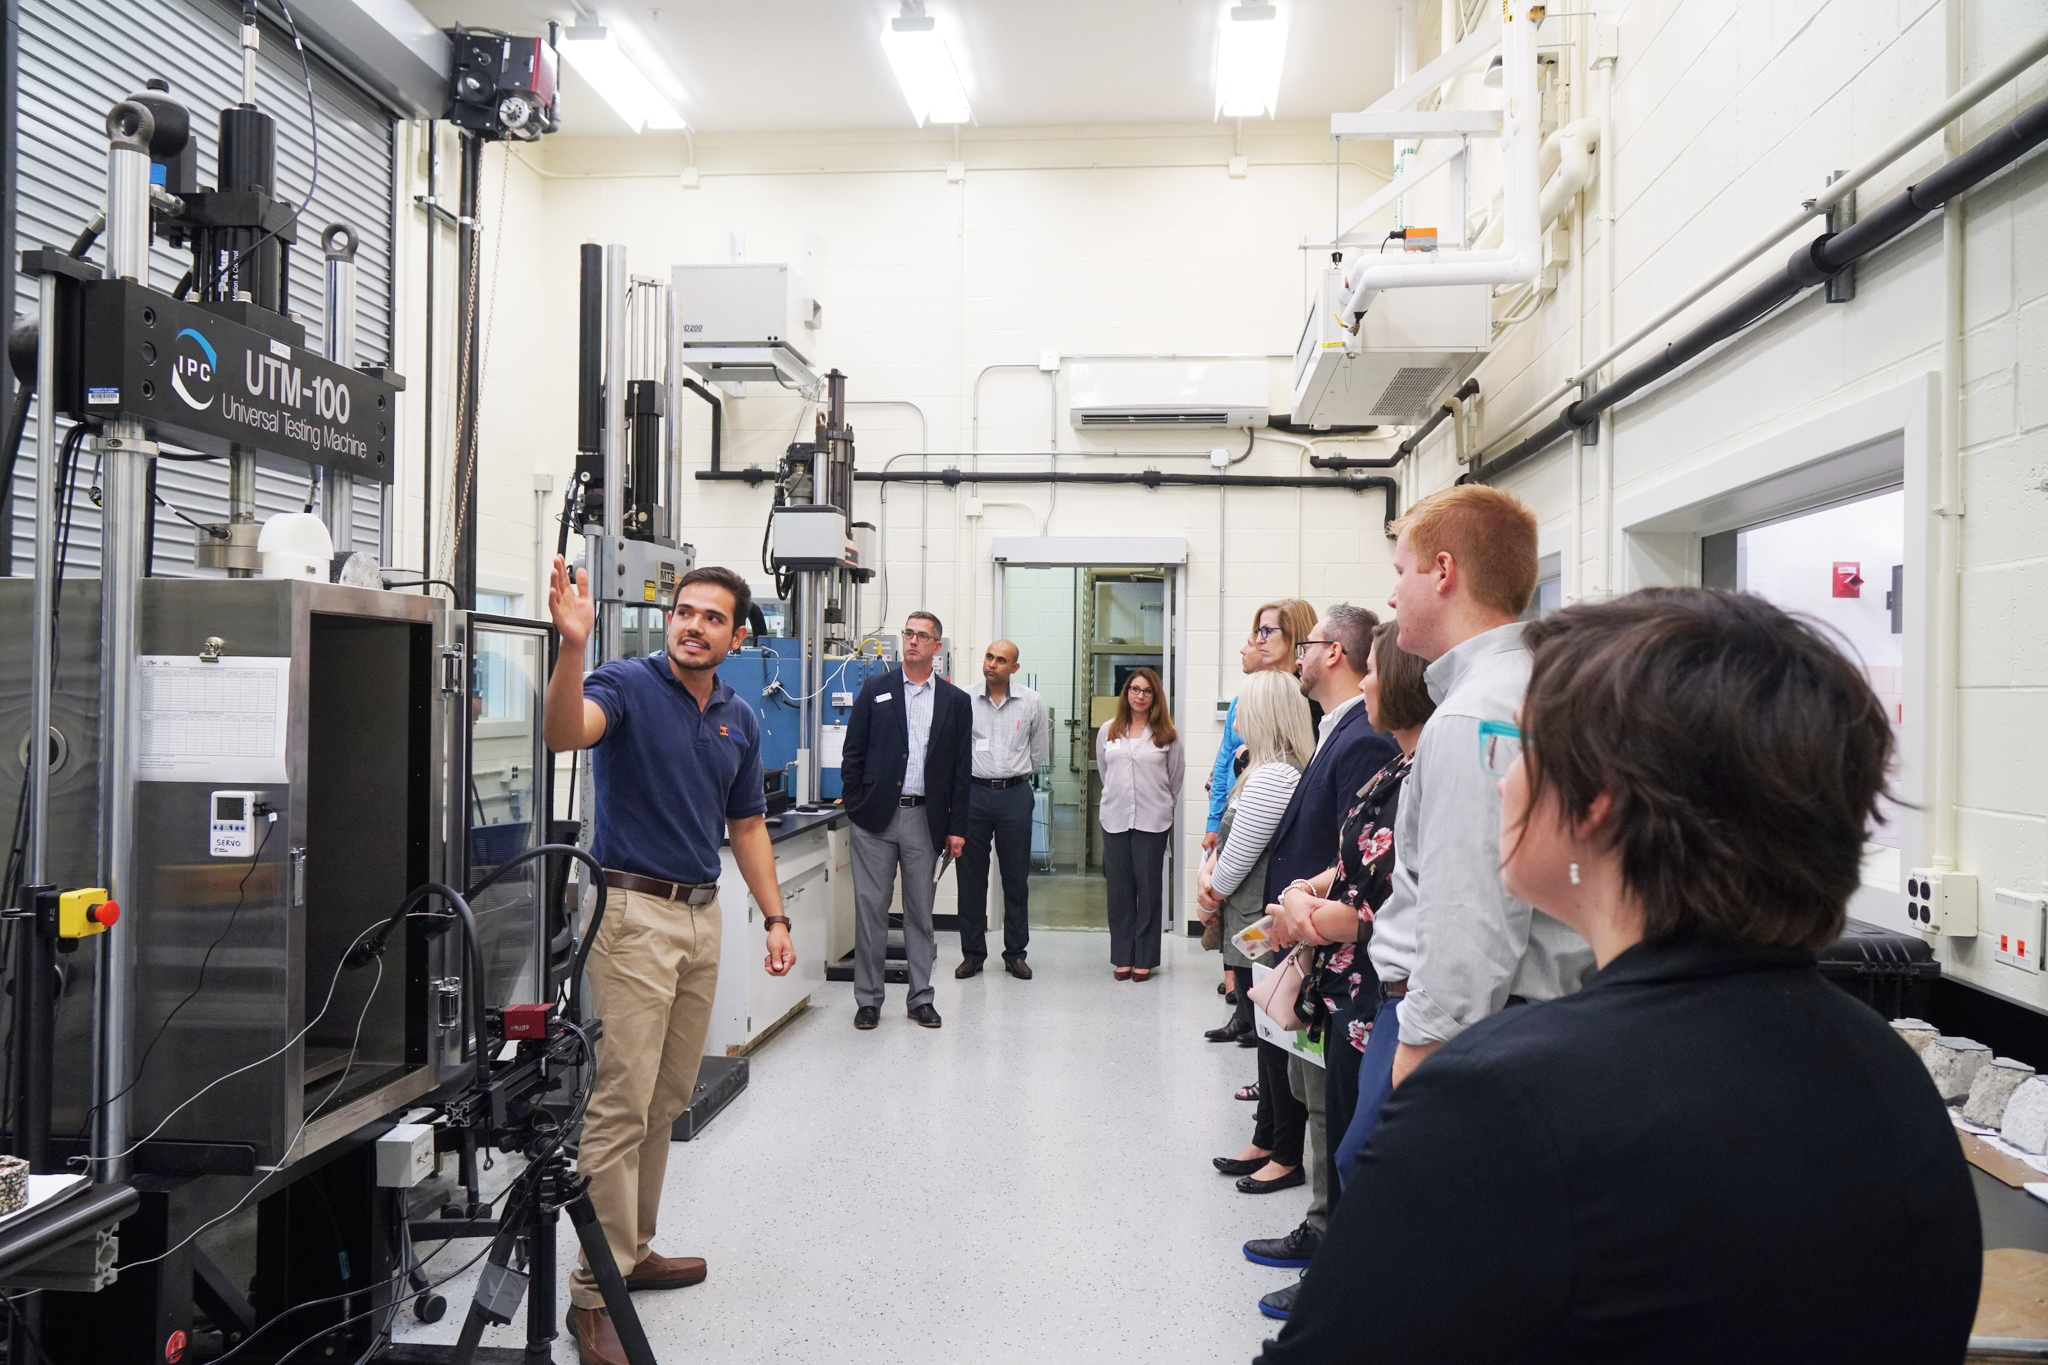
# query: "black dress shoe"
969,966
1230,1165
1221,988
867,1016
1230,997
1250,1039
1229,1033
1018,967
1291,1252
925,1015
1250,1184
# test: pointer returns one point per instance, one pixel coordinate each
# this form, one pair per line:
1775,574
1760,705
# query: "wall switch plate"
2018,919
1238,168
1942,902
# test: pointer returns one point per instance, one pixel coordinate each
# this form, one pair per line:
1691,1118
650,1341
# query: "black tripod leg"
509,1227
598,1254
540,1291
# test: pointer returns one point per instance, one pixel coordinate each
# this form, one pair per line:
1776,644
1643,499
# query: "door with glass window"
507,801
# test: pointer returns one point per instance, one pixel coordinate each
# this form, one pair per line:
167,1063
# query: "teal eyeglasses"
1500,744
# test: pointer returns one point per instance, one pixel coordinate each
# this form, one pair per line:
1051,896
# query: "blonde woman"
1143,767
1279,740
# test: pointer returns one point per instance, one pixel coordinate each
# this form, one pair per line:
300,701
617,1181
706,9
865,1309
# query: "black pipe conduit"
717,421
1288,424
953,476
1813,263
1466,391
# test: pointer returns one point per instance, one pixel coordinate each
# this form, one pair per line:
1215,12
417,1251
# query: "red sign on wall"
1848,579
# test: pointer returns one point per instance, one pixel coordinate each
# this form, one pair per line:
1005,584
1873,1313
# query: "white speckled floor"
910,1197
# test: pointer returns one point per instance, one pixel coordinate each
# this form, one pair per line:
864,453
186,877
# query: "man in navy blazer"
903,780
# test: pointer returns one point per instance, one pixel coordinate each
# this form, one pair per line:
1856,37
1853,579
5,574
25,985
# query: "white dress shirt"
1010,740
917,723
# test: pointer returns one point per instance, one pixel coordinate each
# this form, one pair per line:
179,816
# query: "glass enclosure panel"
506,815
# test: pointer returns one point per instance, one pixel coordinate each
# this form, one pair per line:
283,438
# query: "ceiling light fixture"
924,68
599,59
1252,45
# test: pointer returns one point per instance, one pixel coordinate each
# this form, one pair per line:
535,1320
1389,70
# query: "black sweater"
1708,1154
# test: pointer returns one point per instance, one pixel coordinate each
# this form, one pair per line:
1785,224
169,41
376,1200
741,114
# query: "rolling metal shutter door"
77,59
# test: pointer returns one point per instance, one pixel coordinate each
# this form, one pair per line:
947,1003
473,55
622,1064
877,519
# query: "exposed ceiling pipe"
1809,265
952,476
1518,261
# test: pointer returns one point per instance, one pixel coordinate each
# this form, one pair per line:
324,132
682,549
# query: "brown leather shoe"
969,966
597,1341
666,1272
1019,968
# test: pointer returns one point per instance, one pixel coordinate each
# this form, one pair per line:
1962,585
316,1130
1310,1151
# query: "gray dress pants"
906,844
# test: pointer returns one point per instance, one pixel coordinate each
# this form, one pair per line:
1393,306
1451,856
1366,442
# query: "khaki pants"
653,970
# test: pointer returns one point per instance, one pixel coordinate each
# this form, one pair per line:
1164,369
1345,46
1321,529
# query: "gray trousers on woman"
1134,863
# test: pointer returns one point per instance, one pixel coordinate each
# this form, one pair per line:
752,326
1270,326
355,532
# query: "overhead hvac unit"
1173,393
1414,346
747,322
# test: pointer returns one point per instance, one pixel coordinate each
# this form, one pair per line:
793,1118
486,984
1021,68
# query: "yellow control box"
80,913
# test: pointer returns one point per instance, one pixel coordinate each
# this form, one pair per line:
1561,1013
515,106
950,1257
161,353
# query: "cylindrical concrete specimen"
1992,1088
2025,1124
1954,1063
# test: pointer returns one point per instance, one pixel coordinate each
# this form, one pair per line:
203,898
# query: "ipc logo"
193,363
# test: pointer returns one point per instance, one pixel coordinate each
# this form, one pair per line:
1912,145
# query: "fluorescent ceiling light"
599,59
1253,44
924,68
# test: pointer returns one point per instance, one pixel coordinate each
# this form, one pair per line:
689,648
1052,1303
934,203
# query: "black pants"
1241,982
1004,815
1282,1123
1340,1095
1134,863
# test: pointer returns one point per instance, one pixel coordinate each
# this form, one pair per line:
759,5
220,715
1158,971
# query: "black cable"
217,532
27,1335
241,898
597,914
312,187
428,583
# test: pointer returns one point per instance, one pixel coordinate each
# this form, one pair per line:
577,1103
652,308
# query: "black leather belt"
910,800
997,783
690,893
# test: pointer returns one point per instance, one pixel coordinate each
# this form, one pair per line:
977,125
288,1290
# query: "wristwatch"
770,921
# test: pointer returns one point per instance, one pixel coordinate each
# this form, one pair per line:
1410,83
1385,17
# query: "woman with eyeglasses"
1270,646
1708,1153
1143,767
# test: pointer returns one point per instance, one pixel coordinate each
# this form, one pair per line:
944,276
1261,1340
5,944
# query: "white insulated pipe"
1518,261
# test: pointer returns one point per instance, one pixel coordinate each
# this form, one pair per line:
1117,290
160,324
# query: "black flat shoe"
1251,1039
1229,1033
1230,1165
1230,997
1250,1185
1221,988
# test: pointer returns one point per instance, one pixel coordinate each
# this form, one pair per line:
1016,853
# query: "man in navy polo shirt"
676,761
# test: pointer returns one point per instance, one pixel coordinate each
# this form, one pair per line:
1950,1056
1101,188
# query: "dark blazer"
1305,842
1709,1154
878,747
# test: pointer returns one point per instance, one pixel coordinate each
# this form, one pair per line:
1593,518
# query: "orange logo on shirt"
723,731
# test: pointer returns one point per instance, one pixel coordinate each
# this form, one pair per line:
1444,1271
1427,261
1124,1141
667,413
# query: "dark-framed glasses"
921,635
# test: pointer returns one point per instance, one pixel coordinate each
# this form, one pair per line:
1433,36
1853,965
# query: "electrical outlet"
2018,923
1941,902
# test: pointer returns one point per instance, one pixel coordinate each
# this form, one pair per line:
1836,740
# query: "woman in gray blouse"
1142,766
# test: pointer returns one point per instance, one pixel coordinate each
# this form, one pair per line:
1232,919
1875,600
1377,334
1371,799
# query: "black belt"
997,783
910,800
690,893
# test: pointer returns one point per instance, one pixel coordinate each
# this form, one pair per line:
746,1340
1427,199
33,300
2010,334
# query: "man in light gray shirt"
1450,946
1011,739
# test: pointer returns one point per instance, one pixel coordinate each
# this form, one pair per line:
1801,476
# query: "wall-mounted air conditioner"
1414,347
1172,393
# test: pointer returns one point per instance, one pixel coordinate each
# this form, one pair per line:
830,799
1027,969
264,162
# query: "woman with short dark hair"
1709,1153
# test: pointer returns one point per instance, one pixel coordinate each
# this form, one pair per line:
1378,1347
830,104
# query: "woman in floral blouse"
1335,909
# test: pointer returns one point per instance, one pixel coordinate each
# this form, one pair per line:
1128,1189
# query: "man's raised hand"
571,606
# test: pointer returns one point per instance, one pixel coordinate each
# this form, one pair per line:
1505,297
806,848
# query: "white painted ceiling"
804,65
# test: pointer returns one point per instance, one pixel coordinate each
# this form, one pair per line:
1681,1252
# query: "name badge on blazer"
881,697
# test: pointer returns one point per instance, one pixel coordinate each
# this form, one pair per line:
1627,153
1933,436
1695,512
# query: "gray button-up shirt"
1141,782
917,724
1448,928
1010,740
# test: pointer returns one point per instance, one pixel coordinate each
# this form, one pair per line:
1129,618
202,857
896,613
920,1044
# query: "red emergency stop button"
105,914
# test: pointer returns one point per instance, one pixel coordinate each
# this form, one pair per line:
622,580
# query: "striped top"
1260,804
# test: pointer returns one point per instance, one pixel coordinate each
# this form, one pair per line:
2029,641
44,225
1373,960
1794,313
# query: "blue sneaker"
1292,1252
1279,1304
